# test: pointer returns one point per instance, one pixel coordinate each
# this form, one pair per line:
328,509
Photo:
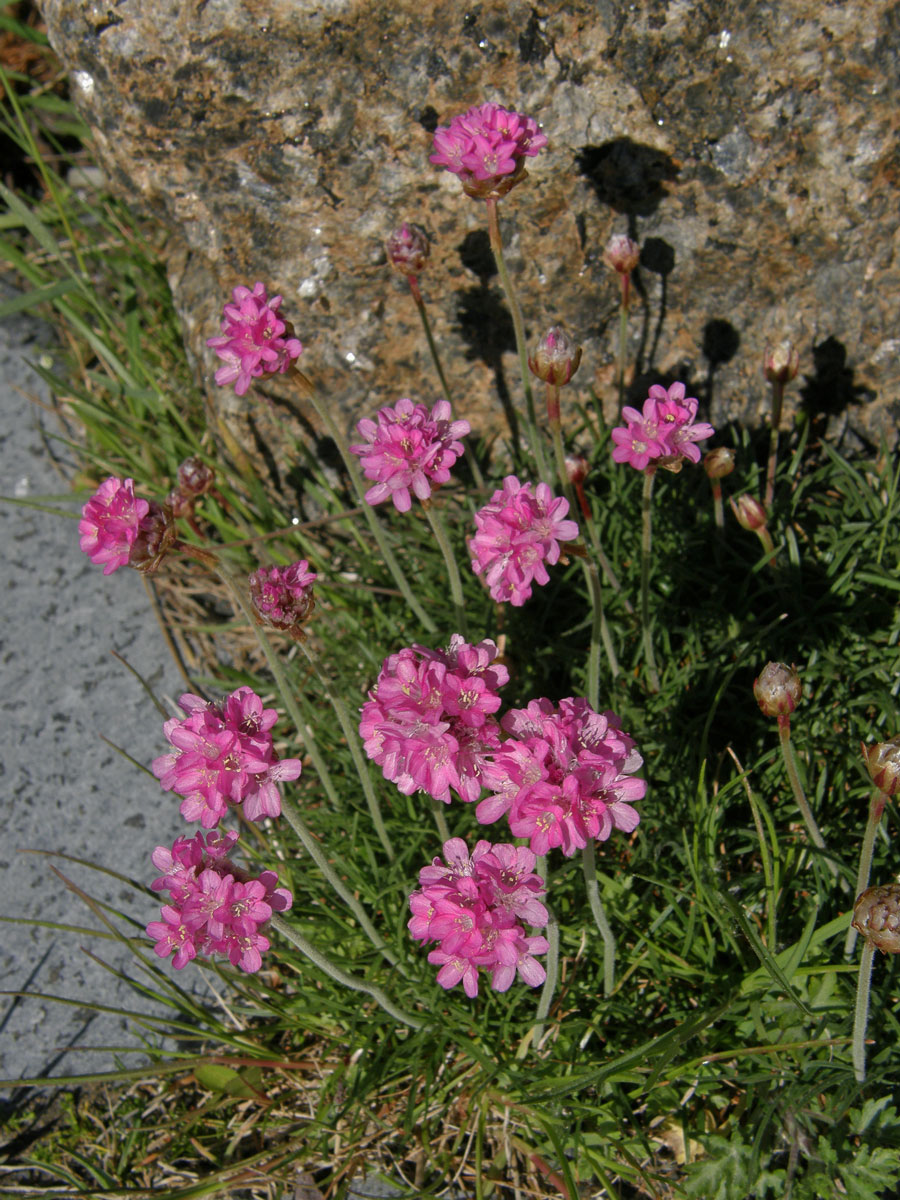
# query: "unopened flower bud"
156,535
883,765
749,512
777,690
576,468
876,915
621,253
719,462
195,478
408,249
781,363
282,597
555,358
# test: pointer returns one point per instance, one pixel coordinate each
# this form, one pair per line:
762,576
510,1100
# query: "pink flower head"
111,522
476,907
252,343
429,722
665,432
224,755
520,530
216,908
282,596
486,147
409,449
565,776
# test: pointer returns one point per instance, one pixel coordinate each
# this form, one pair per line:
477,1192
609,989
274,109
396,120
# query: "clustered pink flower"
429,723
565,776
282,596
476,908
485,145
110,523
252,342
409,448
516,533
224,755
664,433
215,908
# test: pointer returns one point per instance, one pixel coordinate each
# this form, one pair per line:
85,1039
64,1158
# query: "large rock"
750,147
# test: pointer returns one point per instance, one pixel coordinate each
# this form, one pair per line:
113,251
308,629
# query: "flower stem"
352,469
599,629
285,691
351,736
790,762
625,279
784,732
876,808
456,592
646,542
589,864
777,401
437,807
537,448
435,358
861,1013
551,932
349,981
315,852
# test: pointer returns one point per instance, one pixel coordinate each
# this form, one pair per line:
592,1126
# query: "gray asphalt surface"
61,787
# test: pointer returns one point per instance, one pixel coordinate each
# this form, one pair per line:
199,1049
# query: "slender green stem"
646,543
437,808
777,401
599,628
790,762
861,1012
625,280
352,468
589,864
456,592
348,981
314,850
551,964
763,851
876,808
285,691
435,358
534,433
351,734
605,565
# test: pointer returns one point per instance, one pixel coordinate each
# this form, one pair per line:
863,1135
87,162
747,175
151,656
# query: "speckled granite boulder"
750,147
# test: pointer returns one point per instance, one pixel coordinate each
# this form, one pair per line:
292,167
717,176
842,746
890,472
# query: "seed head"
777,690
876,915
